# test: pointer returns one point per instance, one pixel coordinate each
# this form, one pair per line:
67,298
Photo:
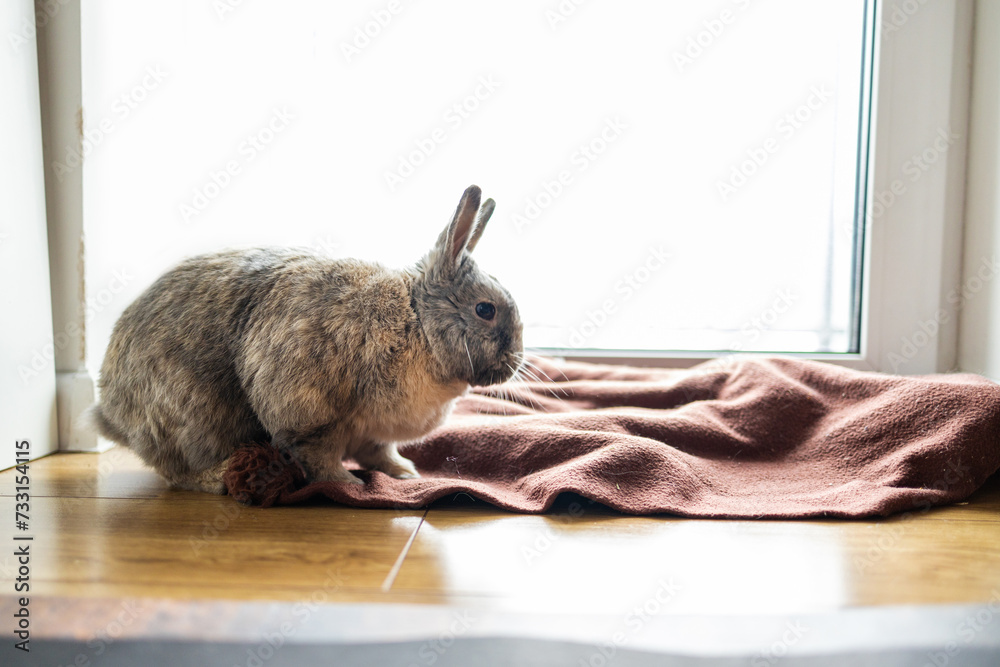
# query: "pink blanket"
755,438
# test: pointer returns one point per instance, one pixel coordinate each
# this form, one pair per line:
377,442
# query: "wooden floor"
104,527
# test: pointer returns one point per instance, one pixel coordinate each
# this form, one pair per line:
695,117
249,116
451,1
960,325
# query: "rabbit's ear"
455,238
484,216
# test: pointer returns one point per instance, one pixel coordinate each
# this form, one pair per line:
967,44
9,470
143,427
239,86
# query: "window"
670,176
622,142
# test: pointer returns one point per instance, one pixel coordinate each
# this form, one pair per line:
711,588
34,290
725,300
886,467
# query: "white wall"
27,370
979,344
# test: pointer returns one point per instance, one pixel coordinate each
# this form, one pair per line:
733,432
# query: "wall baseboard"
74,394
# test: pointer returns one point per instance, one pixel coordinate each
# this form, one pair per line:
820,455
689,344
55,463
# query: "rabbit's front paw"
385,458
337,475
404,471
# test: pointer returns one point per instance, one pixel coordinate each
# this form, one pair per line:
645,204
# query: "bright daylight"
677,191
440,333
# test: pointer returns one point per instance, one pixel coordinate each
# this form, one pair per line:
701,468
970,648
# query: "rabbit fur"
328,359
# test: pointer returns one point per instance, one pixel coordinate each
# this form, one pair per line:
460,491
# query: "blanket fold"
754,437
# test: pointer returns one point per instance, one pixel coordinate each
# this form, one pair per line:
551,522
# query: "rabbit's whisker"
538,368
524,393
535,367
466,341
547,385
552,383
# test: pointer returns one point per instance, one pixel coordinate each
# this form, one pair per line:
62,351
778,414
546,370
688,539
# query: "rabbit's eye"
485,310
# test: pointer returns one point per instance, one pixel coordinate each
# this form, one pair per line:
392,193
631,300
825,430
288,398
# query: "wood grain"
596,561
197,547
106,527
116,473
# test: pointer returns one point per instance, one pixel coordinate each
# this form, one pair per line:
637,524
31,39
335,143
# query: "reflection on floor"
104,526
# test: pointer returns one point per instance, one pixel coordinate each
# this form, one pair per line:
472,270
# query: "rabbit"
325,358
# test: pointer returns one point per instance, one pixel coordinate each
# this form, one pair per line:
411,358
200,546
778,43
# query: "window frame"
921,80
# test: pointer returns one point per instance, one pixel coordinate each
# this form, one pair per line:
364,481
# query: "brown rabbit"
326,358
